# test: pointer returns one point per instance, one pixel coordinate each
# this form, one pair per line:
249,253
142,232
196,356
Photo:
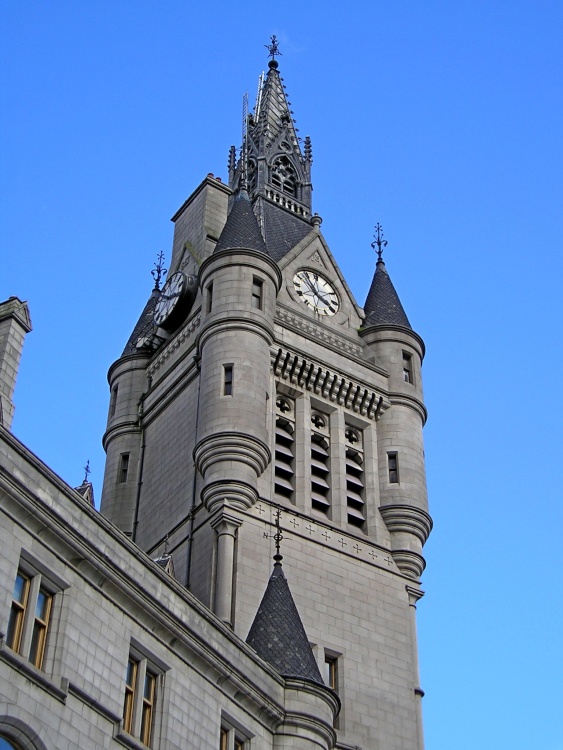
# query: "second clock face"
169,297
316,292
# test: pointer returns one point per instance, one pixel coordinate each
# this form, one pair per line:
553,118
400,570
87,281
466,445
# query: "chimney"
14,324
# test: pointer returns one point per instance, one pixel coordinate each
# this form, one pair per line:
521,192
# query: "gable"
311,259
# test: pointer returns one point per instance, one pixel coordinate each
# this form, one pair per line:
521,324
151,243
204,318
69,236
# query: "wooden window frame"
139,702
28,627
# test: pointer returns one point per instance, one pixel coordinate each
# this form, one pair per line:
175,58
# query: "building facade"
254,399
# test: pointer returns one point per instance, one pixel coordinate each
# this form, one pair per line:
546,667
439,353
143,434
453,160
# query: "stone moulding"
339,343
307,374
407,519
174,344
232,446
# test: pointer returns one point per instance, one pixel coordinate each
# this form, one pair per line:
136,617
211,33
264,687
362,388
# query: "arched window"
283,176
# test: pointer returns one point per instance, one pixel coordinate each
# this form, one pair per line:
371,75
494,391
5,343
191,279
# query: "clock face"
169,297
316,292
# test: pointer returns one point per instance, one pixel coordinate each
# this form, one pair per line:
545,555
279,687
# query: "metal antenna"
244,159
273,48
379,241
87,471
158,271
259,97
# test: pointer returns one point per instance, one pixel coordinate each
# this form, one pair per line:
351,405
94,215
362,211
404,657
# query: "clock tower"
255,390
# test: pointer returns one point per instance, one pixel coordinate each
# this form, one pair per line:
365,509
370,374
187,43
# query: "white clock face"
171,293
316,292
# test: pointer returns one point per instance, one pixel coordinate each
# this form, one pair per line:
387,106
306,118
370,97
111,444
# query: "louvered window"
284,450
355,477
320,463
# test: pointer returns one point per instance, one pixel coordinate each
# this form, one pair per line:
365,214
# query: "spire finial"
379,241
87,471
158,271
273,49
278,538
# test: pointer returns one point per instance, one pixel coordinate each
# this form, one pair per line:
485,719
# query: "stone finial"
15,322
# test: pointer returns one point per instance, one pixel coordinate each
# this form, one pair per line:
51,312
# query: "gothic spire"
272,165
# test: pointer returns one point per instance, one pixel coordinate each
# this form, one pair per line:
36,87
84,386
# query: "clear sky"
443,121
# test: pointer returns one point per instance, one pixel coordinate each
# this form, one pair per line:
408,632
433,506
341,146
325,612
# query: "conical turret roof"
277,633
241,229
145,325
383,306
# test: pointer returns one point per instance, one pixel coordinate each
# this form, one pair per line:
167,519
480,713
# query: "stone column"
225,526
414,595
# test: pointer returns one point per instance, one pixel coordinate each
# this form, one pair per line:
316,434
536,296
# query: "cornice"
351,393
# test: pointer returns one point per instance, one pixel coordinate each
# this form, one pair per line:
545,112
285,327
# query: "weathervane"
273,48
158,271
87,471
277,537
379,241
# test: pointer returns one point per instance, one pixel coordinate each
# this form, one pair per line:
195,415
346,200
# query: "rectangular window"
29,618
113,401
227,380
232,739
123,468
330,676
393,464
139,702
209,303
257,289
17,613
407,367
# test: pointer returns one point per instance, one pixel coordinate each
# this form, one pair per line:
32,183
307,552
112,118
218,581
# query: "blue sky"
442,121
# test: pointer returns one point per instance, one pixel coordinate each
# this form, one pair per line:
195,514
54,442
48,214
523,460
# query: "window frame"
393,467
139,711
228,379
124,464
257,295
408,376
30,635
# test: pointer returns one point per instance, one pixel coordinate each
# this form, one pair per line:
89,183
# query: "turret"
239,284
389,336
278,636
14,324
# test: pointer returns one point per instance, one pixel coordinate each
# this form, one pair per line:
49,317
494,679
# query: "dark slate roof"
277,633
282,230
86,489
145,324
383,306
241,228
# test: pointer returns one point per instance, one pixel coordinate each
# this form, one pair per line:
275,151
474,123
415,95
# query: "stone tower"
254,382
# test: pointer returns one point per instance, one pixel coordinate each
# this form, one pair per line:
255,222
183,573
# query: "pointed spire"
241,229
277,633
383,306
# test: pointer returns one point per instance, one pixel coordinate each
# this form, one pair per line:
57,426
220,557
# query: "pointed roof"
383,306
277,633
241,229
273,113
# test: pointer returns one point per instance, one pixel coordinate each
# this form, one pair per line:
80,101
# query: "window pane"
42,604
20,588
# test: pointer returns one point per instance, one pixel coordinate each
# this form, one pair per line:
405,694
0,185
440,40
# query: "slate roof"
241,228
383,306
145,324
277,633
282,230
